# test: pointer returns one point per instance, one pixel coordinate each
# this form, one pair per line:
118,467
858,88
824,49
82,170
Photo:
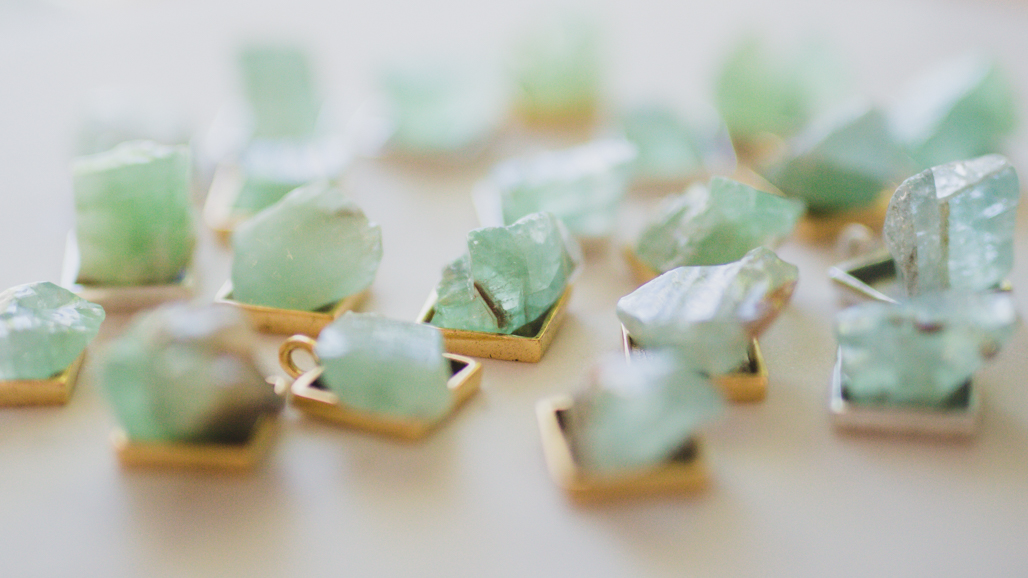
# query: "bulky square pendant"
291,321
686,472
55,390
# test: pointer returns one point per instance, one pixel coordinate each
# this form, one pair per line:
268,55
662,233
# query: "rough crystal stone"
583,186
43,328
133,219
273,167
960,109
672,150
385,366
510,277
636,416
280,91
952,226
715,224
186,373
844,160
923,350
710,314
309,250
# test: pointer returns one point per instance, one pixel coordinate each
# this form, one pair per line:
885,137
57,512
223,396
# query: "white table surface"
790,497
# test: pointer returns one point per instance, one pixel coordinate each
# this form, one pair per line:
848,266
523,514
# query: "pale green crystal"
582,186
960,109
273,167
309,250
636,416
923,350
385,366
952,226
710,314
557,68
670,149
715,224
133,219
280,91
43,328
186,373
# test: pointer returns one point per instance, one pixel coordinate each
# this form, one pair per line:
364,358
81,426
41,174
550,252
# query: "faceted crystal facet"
186,373
385,366
715,224
280,91
133,219
952,226
923,350
309,250
510,277
710,314
671,150
43,328
636,416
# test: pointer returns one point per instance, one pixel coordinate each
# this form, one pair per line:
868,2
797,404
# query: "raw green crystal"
842,161
710,314
309,250
43,328
385,366
961,109
185,373
715,224
133,219
582,186
952,226
273,167
671,150
510,277
923,350
636,416
280,91
557,69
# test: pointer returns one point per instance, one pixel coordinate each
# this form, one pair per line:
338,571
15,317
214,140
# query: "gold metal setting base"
821,228
214,457
496,346
676,476
55,390
291,321
219,213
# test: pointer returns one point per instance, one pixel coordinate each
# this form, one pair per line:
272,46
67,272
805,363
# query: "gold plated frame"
291,321
54,390
198,456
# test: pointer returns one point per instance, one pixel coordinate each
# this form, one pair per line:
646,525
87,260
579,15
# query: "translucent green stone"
280,91
556,68
133,218
43,329
710,314
715,224
842,161
273,167
923,350
952,226
636,416
385,366
187,373
961,109
671,149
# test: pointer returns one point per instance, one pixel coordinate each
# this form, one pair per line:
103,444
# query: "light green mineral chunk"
557,68
547,270
715,224
960,109
280,90
710,314
132,214
952,226
923,350
842,161
308,251
459,303
43,328
668,149
637,416
185,373
273,167
385,366
500,271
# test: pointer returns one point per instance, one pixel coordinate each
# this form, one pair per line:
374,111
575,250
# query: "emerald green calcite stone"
185,373
280,91
841,161
952,226
921,351
635,416
510,277
715,223
556,69
583,186
385,366
309,250
133,219
961,109
709,314
43,329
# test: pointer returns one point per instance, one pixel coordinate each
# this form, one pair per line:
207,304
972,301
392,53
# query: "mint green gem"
556,68
952,226
715,224
280,90
460,304
309,250
273,167
43,329
133,218
385,366
667,148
